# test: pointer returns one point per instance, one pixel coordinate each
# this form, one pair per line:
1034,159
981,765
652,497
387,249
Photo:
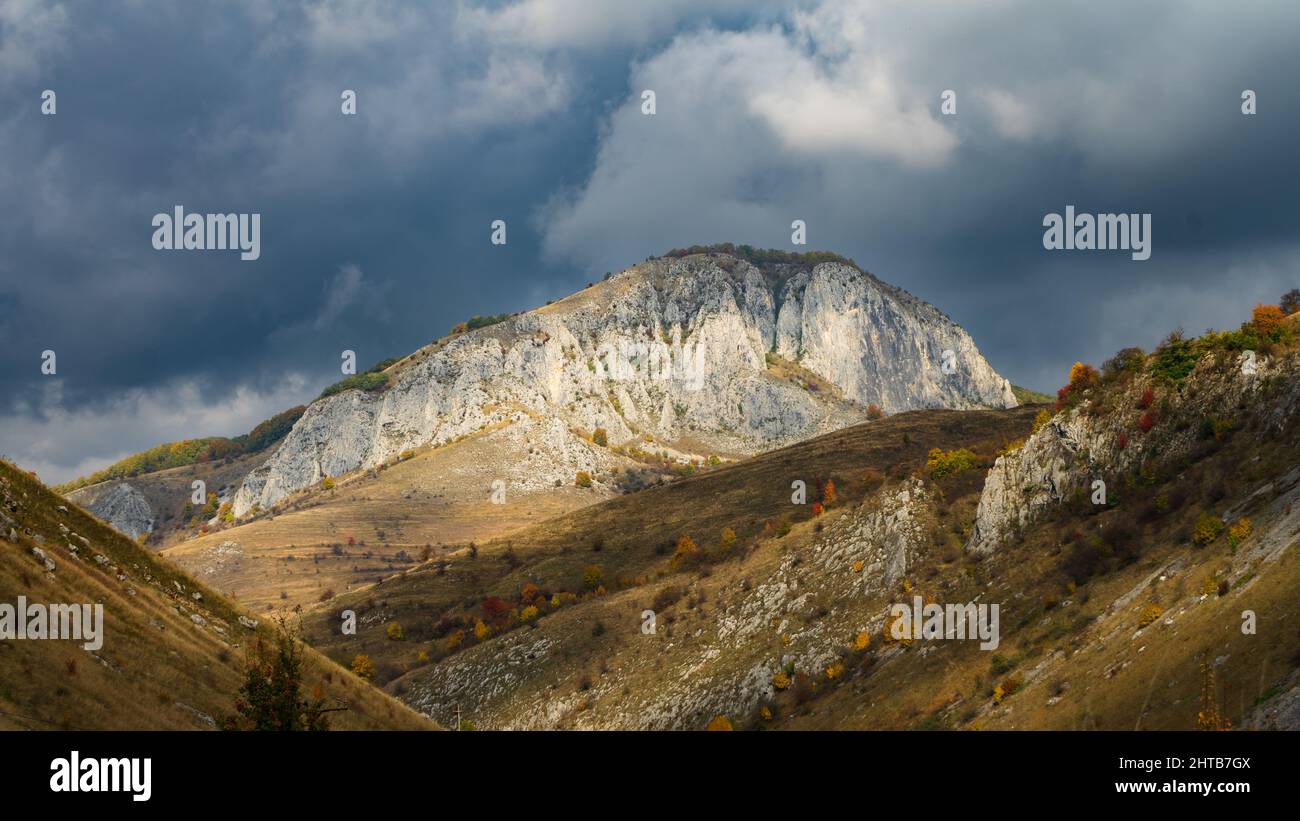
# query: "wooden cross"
457,713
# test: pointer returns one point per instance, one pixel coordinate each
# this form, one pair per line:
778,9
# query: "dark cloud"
375,228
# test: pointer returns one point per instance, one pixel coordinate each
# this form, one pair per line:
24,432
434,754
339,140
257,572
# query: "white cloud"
587,24
30,30
62,443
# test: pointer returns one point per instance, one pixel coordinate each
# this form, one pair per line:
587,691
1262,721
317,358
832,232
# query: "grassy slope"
435,499
1082,658
636,533
158,669
1028,396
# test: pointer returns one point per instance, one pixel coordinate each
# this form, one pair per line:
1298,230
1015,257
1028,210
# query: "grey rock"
122,506
676,348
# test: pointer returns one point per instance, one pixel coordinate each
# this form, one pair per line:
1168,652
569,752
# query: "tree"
1290,302
363,667
270,695
828,493
1267,318
1083,376
728,538
592,576
687,551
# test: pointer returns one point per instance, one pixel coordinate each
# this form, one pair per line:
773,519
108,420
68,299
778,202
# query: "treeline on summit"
192,451
763,257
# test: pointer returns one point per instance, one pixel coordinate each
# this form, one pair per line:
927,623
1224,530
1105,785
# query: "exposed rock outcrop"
686,350
1103,437
121,505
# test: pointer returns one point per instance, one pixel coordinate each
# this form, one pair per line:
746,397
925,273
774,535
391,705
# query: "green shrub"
1208,528
941,464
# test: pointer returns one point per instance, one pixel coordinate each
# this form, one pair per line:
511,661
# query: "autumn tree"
687,552
728,538
363,666
1267,318
270,697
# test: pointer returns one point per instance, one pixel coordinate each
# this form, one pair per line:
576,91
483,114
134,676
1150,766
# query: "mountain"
703,353
171,651
1168,602
150,493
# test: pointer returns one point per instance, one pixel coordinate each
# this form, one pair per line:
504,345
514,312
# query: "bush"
687,553
1208,528
727,539
1149,614
592,576
363,667
476,322
719,723
1174,359
1239,532
368,381
941,464
1290,302
600,437
1040,421
395,632
583,479
1127,360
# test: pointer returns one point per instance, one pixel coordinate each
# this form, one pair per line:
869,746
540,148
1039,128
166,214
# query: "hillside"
374,523
173,650
632,540
1126,613
150,493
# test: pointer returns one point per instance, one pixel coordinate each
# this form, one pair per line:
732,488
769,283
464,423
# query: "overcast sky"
375,228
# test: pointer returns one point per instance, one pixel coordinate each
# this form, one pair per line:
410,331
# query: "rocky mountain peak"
708,352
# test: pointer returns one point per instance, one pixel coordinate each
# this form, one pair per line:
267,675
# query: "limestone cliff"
706,353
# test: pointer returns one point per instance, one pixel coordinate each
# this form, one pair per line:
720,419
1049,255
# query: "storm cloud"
375,227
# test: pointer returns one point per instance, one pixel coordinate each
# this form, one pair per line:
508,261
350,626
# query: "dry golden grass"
369,527
157,669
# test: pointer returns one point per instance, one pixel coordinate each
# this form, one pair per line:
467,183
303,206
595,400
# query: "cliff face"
704,353
124,507
1103,437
